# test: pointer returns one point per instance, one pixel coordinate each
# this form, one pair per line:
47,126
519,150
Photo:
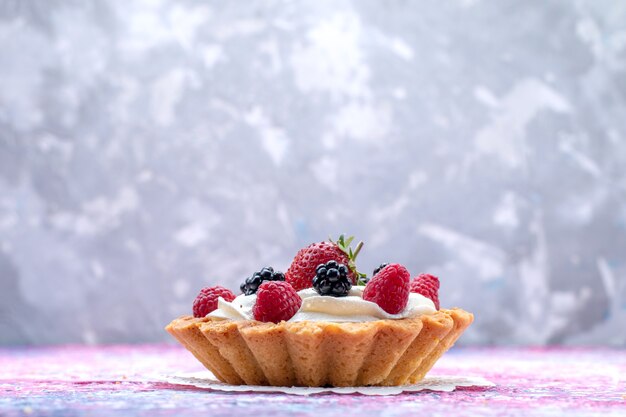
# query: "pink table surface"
121,380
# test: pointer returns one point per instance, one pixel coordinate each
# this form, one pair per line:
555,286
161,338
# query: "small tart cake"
388,331
337,341
321,353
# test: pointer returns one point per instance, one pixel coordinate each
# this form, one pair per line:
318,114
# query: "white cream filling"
238,309
352,308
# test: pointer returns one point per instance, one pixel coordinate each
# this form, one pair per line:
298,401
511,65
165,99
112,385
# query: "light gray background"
149,148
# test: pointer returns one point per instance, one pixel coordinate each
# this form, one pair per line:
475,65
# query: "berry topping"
332,279
206,301
302,270
389,288
251,284
365,280
428,286
276,301
377,270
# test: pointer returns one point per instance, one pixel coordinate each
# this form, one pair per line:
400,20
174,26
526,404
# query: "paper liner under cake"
315,354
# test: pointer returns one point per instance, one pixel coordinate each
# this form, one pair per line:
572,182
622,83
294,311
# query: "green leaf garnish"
344,245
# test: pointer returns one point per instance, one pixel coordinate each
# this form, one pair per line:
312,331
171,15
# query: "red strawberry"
389,288
276,301
302,270
428,286
206,301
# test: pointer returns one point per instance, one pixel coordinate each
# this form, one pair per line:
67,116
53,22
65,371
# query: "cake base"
317,354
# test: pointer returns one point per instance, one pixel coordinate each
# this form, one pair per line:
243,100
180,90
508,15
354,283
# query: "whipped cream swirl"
352,308
238,309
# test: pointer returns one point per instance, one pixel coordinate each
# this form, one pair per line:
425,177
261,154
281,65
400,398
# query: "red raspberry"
206,301
428,286
389,288
276,301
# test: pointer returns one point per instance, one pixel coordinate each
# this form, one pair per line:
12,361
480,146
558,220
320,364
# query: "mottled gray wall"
148,148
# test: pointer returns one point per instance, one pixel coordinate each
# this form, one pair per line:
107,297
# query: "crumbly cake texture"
315,354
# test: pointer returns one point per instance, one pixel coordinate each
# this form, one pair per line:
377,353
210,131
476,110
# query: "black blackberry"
332,279
377,270
251,284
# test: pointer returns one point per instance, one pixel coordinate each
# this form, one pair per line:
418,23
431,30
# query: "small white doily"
434,383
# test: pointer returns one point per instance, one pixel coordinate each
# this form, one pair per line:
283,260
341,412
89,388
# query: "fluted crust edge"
314,354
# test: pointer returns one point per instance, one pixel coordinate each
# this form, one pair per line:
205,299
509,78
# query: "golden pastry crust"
316,353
